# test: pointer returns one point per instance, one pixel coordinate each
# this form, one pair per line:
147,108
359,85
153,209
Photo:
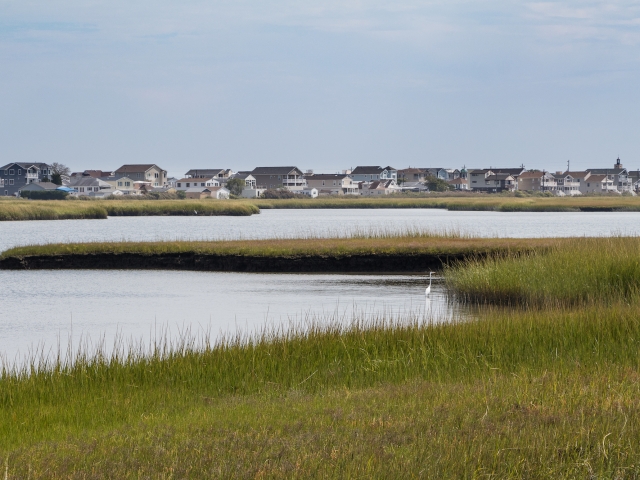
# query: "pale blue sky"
322,85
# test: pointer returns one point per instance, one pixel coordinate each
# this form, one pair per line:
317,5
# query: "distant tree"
235,186
181,194
60,169
56,178
436,184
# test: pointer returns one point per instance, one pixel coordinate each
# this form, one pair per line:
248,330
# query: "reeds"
532,388
99,209
573,271
483,202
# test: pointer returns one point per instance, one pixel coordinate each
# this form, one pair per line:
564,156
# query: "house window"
179,184
323,183
19,172
127,184
11,181
155,184
334,183
6,193
188,184
82,189
119,184
156,175
12,171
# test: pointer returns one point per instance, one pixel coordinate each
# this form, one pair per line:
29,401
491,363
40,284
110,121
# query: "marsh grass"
19,209
510,394
473,202
571,272
377,241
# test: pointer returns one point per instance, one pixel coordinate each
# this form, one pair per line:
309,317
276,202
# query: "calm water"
48,307
293,223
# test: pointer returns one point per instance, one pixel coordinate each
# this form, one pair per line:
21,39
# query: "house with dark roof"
489,181
208,173
372,173
290,178
18,174
151,173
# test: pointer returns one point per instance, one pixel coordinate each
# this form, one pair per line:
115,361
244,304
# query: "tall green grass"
573,271
501,394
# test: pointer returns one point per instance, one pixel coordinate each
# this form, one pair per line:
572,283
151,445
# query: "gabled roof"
510,171
212,172
578,174
136,168
597,178
500,176
532,175
607,171
199,189
327,176
26,165
275,170
88,182
369,170
479,170
243,175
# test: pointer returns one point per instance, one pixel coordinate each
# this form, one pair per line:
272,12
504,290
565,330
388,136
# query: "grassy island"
539,379
21,209
411,251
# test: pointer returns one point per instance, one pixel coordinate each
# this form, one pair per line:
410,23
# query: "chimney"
618,164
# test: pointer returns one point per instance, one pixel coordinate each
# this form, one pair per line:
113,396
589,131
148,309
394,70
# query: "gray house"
373,173
17,175
290,178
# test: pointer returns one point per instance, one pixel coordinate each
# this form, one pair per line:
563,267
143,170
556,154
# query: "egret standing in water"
428,290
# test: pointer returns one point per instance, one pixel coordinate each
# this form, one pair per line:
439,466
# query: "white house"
185,184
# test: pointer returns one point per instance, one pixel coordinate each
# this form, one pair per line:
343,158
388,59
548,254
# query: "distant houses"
141,179
14,176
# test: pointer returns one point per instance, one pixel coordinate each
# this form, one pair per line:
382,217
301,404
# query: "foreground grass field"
551,391
511,394
18,209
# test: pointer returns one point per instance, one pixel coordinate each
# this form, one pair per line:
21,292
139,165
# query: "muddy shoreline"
236,263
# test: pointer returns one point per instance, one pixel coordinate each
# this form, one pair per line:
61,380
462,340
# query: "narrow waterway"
49,308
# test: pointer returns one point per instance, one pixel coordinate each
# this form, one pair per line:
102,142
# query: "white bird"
195,212
428,290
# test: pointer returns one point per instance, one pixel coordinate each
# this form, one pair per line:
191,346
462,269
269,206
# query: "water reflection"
50,307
